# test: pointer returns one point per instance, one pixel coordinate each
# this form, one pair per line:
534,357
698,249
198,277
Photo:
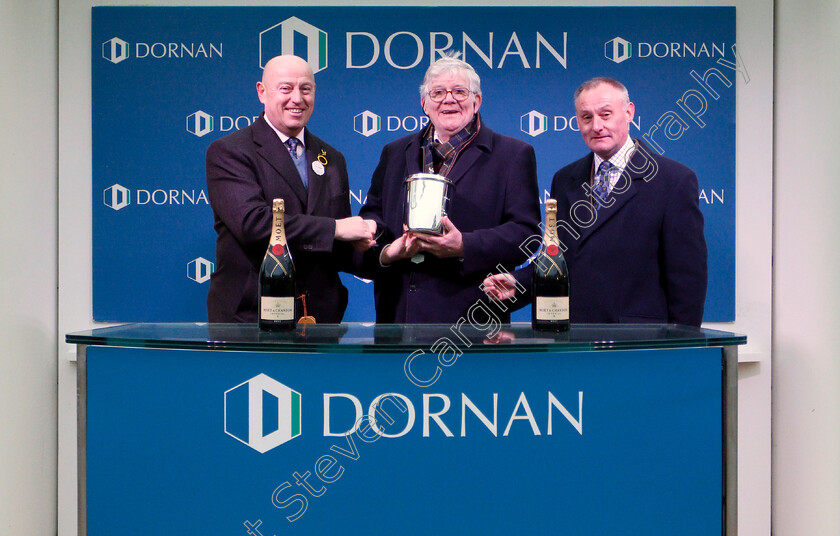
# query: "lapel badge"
318,165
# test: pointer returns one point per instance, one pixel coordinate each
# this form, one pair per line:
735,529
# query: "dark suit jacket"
246,170
643,258
495,206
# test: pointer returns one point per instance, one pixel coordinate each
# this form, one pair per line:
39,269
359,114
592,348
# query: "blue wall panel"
168,81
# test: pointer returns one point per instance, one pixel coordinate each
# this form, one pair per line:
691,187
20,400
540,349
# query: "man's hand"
404,247
364,244
450,244
499,286
354,228
502,337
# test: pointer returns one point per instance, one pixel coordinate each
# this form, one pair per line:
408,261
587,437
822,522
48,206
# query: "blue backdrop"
168,81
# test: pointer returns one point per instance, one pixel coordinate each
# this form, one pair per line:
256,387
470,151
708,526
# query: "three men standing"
636,254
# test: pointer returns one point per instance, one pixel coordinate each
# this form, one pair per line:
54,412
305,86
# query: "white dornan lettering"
538,52
393,415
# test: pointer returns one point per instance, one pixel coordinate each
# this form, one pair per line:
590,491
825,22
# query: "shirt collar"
620,158
282,136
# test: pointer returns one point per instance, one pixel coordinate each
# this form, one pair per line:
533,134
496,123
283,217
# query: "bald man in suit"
277,157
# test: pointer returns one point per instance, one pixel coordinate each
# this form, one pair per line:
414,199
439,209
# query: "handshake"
361,232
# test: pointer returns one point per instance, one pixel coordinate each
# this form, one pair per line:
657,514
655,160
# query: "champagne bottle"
550,305
277,278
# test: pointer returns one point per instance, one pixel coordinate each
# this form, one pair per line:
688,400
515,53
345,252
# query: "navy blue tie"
292,144
601,188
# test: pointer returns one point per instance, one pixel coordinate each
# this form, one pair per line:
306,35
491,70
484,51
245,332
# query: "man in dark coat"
630,224
276,157
493,206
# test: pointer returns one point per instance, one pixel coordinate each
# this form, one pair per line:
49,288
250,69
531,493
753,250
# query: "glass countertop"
401,338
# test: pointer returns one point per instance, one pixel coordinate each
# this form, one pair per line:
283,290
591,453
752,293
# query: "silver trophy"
426,196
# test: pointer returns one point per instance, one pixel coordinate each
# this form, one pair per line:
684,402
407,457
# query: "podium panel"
386,430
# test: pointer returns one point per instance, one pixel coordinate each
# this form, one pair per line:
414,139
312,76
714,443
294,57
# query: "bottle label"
552,308
274,309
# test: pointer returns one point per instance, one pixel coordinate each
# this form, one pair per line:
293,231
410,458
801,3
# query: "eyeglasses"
460,94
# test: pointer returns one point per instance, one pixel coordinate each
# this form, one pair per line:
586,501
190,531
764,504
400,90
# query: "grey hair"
447,64
592,83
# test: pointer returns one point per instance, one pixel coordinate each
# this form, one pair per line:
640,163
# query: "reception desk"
424,429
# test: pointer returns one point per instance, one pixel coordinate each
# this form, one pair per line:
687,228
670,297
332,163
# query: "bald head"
287,90
284,63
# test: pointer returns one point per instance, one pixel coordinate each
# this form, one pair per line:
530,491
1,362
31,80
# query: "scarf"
439,157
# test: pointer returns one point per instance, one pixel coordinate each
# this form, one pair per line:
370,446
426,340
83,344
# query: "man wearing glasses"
276,157
493,206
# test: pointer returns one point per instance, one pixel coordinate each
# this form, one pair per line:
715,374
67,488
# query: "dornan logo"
116,50
280,39
405,50
199,270
117,197
533,123
262,413
367,123
618,49
200,123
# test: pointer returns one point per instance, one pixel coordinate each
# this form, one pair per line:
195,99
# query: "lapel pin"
318,165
